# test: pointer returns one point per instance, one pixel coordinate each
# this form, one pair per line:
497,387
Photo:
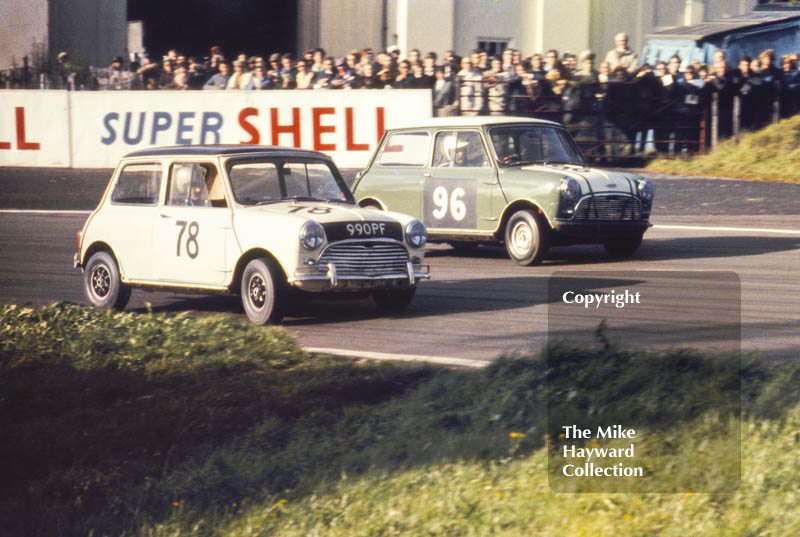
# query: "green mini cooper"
517,181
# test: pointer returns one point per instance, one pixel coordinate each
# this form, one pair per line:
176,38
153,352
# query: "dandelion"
499,494
516,435
688,494
628,517
281,502
638,502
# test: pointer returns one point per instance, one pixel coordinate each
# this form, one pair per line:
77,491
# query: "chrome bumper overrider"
313,280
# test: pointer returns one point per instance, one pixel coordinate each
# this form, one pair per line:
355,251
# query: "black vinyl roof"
226,150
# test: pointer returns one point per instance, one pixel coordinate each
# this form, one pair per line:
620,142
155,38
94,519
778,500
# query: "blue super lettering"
183,128
126,135
112,134
211,124
161,122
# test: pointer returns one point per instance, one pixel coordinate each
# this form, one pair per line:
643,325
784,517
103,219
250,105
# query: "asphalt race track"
478,305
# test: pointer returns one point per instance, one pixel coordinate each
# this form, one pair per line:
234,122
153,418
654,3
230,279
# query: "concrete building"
529,25
92,31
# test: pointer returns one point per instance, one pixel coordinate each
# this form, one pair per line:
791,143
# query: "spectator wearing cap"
65,72
344,77
621,55
240,78
274,70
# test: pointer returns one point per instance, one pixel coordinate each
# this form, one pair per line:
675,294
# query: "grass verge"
162,425
771,154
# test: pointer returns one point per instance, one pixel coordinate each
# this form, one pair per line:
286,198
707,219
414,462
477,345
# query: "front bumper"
311,279
76,260
593,231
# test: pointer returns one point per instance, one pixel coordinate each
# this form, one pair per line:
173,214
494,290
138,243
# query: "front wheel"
261,292
394,300
526,238
102,283
623,246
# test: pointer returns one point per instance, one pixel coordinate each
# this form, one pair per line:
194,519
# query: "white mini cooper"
248,220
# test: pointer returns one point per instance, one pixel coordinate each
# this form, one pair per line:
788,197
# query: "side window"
138,184
405,149
195,185
459,149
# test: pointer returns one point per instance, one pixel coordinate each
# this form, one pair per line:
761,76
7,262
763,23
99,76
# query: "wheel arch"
370,201
99,246
511,208
245,258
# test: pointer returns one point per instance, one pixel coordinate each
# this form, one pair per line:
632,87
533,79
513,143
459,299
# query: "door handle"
162,215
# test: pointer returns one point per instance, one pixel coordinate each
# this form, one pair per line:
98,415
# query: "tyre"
623,246
394,300
262,291
526,238
102,283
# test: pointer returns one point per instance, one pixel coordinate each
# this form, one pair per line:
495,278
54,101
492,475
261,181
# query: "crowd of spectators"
667,100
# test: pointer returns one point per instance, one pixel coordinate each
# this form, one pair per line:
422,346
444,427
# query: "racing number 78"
192,247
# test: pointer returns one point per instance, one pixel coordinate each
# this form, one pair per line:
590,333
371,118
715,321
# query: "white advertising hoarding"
34,128
346,124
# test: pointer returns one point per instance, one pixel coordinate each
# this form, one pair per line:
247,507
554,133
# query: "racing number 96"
441,199
192,247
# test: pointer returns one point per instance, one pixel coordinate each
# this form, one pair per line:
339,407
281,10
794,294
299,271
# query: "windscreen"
265,181
529,144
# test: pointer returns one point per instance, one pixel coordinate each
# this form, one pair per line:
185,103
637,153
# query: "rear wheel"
262,292
394,300
623,246
102,283
526,238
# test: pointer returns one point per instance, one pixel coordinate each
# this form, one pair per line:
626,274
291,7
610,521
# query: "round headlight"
312,235
647,190
570,188
416,234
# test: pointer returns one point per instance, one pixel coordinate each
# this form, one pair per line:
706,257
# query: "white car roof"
471,121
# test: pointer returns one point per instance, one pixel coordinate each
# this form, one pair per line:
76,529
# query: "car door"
397,176
127,216
193,227
457,194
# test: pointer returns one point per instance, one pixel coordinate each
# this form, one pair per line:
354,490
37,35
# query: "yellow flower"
562,435
516,435
499,494
688,494
281,502
638,502
628,517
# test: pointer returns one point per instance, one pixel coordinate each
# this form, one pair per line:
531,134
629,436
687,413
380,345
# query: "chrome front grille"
365,258
614,207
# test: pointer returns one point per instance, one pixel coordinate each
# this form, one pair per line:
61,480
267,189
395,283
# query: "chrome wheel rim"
522,239
257,291
100,281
